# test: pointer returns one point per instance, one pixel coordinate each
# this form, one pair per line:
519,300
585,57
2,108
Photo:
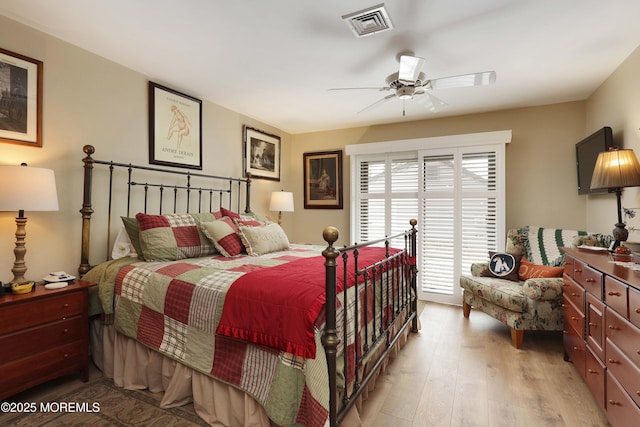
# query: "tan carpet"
100,403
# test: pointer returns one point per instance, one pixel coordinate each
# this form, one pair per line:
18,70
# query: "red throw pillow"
529,270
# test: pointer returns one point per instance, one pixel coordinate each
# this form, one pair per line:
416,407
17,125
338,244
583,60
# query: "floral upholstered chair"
530,296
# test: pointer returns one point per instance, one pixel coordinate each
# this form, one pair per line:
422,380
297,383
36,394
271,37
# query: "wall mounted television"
587,152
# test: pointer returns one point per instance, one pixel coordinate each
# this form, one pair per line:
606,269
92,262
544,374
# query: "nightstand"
43,335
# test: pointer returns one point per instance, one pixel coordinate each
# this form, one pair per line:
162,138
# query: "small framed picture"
323,180
175,128
20,99
261,154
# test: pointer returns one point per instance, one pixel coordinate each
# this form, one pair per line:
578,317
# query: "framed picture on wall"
175,128
20,99
323,180
261,154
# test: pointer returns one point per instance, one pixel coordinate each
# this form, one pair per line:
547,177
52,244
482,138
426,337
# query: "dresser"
601,302
44,334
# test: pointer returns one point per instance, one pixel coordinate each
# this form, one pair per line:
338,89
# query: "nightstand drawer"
589,278
615,294
625,371
22,315
35,340
29,371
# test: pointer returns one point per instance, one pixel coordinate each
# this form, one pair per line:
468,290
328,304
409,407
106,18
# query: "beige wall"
616,103
90,100
541,174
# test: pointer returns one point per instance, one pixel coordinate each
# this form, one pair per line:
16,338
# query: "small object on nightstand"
56,285
58,276
22,288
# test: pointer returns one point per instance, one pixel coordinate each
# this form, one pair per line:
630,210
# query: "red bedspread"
278,306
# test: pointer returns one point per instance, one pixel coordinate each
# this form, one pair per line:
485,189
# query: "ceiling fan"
411,83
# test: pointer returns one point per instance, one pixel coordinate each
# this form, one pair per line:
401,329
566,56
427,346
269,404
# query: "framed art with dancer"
175,128
323,180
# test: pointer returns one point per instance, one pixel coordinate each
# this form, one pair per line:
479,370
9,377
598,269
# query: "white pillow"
263,239
122,247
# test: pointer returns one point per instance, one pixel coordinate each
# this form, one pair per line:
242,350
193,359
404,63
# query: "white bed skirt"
133,366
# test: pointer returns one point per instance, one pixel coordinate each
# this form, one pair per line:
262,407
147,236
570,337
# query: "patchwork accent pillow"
263,239
223,234
503,266
542,245
172,237
529,270
133,231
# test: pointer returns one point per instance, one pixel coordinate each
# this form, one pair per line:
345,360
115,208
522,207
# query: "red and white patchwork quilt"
252,322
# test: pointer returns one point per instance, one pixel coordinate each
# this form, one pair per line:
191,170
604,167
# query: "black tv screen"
587,152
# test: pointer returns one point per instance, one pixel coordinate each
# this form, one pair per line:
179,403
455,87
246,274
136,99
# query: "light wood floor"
464,372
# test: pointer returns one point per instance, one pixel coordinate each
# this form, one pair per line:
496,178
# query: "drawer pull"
593,325
578,270
574,318
591,371
614,328
564,285
616,362
638,310
574,294
65,331
613,402
590,280
65,306
66,355
567,332
577,348
614,294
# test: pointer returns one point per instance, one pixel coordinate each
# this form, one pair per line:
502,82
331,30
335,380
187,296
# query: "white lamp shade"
27,188
281,201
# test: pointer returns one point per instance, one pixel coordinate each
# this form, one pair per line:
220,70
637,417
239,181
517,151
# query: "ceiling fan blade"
466,80
359,88
378,102
431,102
410,67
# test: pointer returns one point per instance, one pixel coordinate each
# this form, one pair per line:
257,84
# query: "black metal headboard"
187,192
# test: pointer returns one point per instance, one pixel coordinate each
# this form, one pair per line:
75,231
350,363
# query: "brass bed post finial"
330,338
86,209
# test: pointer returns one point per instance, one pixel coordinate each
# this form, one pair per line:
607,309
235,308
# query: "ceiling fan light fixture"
405,92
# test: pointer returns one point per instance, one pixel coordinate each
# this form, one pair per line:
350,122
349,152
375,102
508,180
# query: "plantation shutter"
455,192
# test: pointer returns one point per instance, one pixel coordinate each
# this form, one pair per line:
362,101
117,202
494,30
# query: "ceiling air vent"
369,21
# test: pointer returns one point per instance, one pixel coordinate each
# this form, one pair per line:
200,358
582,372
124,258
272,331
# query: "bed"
209,303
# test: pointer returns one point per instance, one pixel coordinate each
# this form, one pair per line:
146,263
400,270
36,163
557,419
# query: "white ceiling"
274,60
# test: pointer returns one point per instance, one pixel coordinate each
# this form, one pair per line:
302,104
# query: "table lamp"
281,201
24,188
614,170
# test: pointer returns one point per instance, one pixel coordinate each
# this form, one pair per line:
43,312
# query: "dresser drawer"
594,325
595,377
589,278
24,373
574,348
624,335
625,371
615,295
573,292
621,409
22,315
40,338
634,306
573,316
568,266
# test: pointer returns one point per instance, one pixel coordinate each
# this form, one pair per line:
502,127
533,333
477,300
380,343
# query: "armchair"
534,303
